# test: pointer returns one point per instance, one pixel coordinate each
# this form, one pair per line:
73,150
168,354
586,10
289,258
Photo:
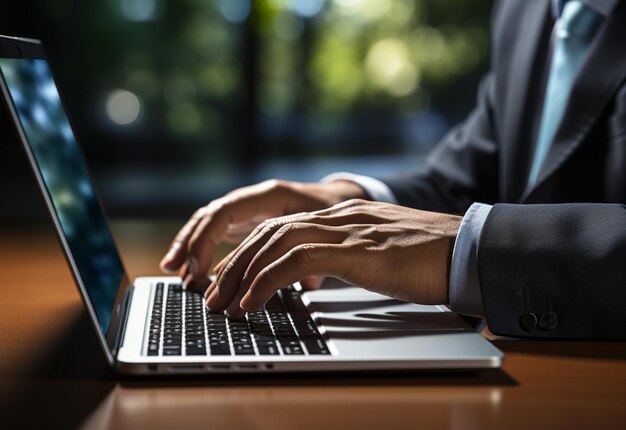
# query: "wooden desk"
52,373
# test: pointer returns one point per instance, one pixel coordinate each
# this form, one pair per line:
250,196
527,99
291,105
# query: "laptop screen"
60,163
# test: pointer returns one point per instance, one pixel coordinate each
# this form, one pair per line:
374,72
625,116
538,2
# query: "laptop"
153,325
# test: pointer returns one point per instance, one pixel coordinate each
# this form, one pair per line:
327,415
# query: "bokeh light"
306,8
388,66
364,9
235,10
142,10
123,107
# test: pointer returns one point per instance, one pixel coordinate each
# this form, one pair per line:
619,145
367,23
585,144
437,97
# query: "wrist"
450,225
342,190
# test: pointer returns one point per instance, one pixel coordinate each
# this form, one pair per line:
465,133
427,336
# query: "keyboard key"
284,320
292,349
171,350
315,345
268,350
244,349
171,343
195,351
220,350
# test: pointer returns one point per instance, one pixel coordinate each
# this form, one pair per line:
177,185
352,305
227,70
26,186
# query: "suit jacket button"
548,321
528,321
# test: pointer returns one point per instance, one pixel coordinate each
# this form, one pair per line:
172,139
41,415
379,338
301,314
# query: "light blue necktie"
574,32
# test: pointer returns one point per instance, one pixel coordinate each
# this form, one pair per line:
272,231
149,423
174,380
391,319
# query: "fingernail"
208,305
245,301
209,290
213,299
166,261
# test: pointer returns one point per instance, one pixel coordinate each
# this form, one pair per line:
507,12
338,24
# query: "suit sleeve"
461,169
554,271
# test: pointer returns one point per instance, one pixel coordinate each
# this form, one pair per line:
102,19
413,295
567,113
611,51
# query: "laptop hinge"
123,319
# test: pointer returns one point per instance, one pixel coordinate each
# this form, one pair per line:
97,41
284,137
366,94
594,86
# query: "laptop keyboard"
180,324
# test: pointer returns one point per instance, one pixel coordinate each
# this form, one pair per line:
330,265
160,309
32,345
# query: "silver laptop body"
152,325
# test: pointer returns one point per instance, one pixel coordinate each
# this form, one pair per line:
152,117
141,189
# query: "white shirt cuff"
464,289
376,189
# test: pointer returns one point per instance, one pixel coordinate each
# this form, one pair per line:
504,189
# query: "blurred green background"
177,102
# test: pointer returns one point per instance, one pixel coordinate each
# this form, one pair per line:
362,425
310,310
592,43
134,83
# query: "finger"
220,266
177,253
211,229
231,275
288,237
312,282
210,289
229,278
234,311
282,241
302,261
184,271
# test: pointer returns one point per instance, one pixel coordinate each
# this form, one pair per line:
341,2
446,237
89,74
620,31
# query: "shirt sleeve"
374,188
464,289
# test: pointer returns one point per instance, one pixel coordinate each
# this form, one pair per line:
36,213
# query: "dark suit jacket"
551,257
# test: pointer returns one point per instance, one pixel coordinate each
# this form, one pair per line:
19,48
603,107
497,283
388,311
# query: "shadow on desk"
64,385
573,349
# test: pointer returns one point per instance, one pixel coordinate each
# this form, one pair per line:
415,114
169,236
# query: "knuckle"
269,225
285,229
303,254
218,206
230,265
210,207
313,218
274,184
259,228
356,202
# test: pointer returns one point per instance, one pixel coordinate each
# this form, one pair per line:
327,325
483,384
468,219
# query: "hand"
400,252
232,217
